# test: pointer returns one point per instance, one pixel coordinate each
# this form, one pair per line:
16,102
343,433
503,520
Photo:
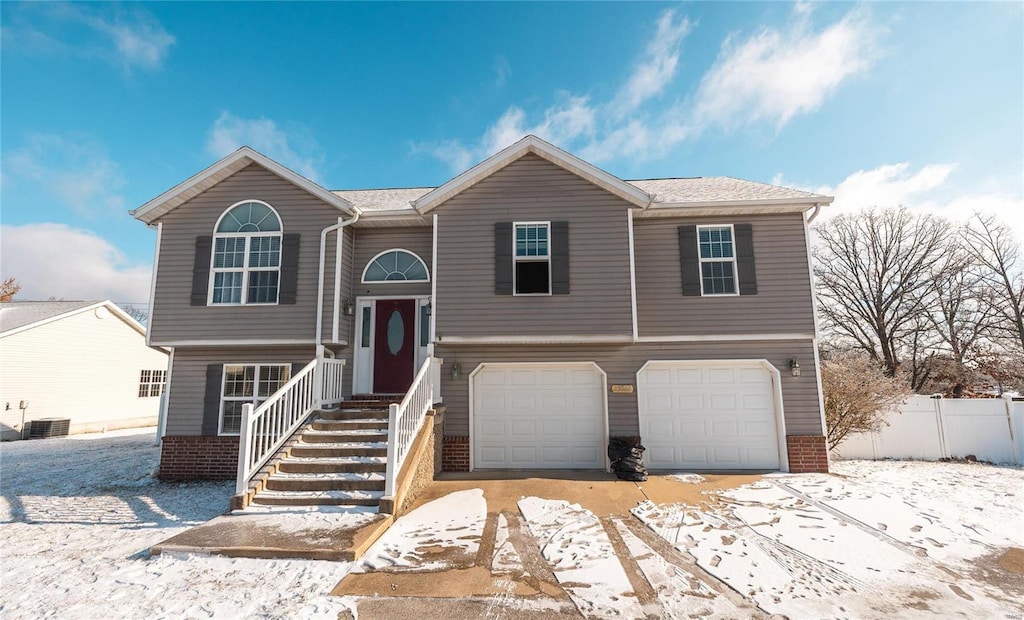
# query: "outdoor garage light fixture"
794,367
456,370
348,308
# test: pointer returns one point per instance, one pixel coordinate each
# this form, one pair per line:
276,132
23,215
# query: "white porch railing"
406,419
265,428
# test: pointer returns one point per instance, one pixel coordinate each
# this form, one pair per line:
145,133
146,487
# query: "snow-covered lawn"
876,540
78,514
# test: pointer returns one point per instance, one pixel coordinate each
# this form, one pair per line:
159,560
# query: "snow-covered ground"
77,515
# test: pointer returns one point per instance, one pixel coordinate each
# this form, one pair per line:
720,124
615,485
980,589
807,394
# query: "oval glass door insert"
396,332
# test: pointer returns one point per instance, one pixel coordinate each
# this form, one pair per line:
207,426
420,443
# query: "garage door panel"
710,417
551,417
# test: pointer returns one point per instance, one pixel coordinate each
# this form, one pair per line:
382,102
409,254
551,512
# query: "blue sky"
107,105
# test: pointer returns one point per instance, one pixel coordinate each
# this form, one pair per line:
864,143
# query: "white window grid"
241,260
712,261
386,264
152,383
254,387
535,250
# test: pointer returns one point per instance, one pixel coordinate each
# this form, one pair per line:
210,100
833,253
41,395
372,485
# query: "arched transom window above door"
396,265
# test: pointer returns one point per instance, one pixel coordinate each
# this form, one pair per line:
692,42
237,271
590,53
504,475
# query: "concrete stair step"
348,436
367,404
318,498
327,464
348,481
340,449
354,414
348,425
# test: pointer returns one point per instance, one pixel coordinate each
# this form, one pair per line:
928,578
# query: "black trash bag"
627,457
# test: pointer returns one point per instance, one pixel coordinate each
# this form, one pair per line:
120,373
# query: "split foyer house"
549,305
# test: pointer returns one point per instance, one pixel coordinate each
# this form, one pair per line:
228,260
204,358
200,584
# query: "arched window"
396,265
246,262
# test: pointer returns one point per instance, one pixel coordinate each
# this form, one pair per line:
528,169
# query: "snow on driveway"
888,539
77,515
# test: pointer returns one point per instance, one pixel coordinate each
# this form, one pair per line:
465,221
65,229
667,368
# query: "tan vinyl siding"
621,363
174,320
533,189
783,301
372,241
188,379
81,367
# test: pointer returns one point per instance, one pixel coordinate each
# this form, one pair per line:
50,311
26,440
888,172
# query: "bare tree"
874,278
857,394
993,245
139,313
8,289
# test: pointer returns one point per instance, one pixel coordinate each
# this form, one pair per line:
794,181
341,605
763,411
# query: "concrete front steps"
338,459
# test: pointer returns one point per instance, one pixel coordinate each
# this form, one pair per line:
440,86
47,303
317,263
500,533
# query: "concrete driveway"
532,545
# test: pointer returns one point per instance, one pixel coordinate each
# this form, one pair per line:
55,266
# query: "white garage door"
540,416
708,415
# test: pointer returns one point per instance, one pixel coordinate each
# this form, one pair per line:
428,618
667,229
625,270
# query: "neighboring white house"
83,360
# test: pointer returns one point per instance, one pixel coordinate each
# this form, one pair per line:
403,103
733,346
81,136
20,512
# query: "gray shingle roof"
15,314
682,190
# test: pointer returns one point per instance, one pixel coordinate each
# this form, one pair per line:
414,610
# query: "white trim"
121,314
632,276
339,248
546,150
807,201
604,400
255,390
161,423
433,289
821,394
362,278
229,343
530,259
370,301
776,376
152,279
280,222
725,337
810,279
318,333
701,260
553,339
227,166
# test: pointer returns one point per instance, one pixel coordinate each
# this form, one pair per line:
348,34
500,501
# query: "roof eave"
808,201
188,189
537,146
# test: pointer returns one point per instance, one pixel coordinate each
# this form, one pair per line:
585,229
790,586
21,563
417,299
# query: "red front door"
393,345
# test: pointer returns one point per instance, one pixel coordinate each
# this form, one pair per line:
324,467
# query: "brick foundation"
455,454
807,454
198,458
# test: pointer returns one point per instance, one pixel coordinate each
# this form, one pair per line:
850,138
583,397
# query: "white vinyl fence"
929,428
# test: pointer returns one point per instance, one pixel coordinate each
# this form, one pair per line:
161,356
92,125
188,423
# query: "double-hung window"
246,264
152,383
248,383
532,258
717,260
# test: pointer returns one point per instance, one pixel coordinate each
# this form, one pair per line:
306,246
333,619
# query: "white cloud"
56,260
502,69
775,75
929,189
769,77
128,36
294,149
657,69
74,170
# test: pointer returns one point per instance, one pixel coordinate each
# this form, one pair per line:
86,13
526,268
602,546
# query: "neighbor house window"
152,383
396,266
532,256
248,383
717,260
246,263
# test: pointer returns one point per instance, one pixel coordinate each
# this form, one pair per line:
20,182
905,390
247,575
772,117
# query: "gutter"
814,214
320,280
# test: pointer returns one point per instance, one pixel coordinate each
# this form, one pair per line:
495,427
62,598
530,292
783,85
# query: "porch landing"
319,533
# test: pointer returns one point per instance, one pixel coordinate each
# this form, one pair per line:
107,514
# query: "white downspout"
814,214
320,280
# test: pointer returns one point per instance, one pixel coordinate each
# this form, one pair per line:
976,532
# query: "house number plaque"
622,389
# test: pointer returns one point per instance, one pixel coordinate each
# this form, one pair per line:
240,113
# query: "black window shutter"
745,259
201,270
559,258
289,269
211,401
689,261
503,258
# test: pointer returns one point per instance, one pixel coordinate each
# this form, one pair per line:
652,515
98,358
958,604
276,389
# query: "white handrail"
266,428
406,419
